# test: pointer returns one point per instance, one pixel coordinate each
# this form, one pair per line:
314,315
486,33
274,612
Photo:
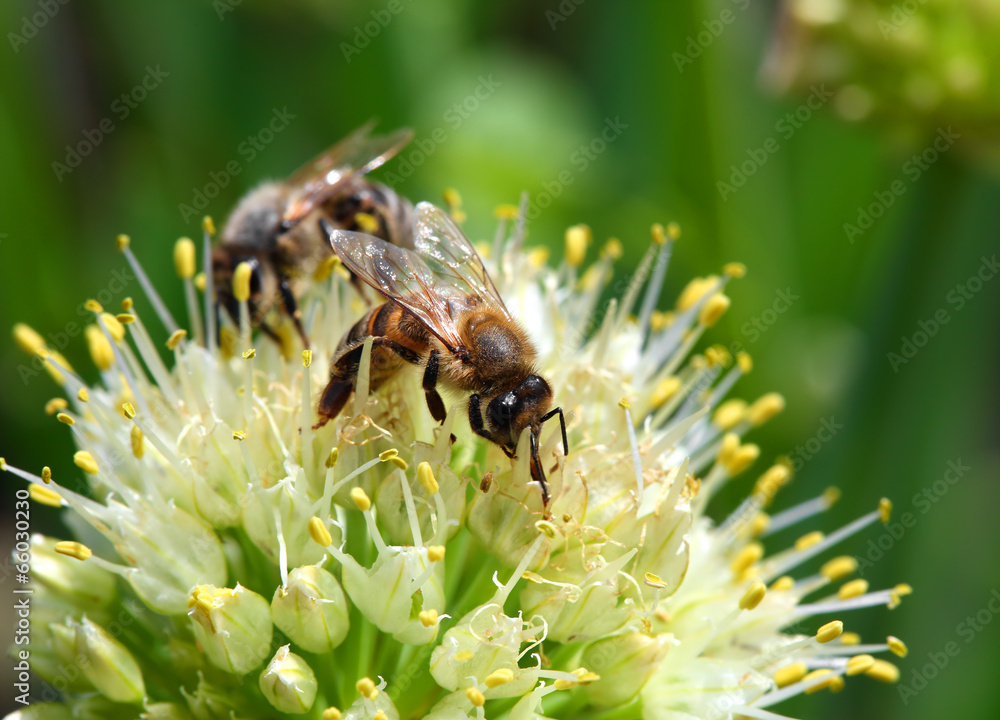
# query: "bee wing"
437,284
357,154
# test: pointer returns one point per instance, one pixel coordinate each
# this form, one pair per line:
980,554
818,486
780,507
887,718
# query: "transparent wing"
439,283
357,154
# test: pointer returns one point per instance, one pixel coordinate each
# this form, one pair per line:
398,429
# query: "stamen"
162,312
208,230
411,511
634,445
307,440
803,511
652,296
73,549
184,262
45,495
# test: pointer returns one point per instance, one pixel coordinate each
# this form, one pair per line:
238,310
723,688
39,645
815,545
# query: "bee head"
511,412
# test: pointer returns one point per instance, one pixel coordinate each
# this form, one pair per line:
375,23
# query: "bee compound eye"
502,410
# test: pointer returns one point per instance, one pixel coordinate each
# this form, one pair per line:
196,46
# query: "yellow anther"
852,589
332,458
332,713
660,320
506,212
115,328
773,479
239,435
174,340
129,410
728,414
896,646
850,638
612,249
585,676
241,281
463,656
744,457
125,318
307,358
94,306
100,349
885,509
831,631
65,419
475,697
809,539
400,463
451,198
577,239
734,269
325,268
752,597
498,678
366,686
361,499
694,291
903,589
28,339
73,549
388,454
624,403
249,354
122,242
55,405
184,254
546,528
435,553
728,447
883,671
367,223
658,233
785,582
82,395
46,474
790,674
713,309
745,362
665,390
138,441
654,581
831,495
718,356
539,256
822,672
127,304
746,557
760,523
564,684
428,618
765,408
44,495
3,464
859,664
319,533
85,461
380,715
426,477
673,231
839,567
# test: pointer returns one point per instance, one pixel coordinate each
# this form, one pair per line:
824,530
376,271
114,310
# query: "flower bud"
233,626
83,584
379,707
625,663
105,662
288,683
311,609
165,711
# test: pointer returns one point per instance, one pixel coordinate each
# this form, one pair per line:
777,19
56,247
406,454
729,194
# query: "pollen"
713,309
122,242
85,461
46,474
100,349
831,631
428,618
808,540
239,435
883,671
361,499
93,306
577,238
125,318
476,697
380,715
127,304
115,328
654,581
773,479
44,495
745,362
790,674
694,291
839,567
307,358
325,268
859,664
28,339
366,222
729,414
332,458
138,441
65,419
129,410
426,477
897,646
366,687
400,463
184,258
241,281
744,457
613,249
249,354
82,395
318,532
624,403
388,454
785,582
175,339
749,555
852,589
753,596
665,390
55,405
885,509
208,226
73,549
332,713
765,408
499,677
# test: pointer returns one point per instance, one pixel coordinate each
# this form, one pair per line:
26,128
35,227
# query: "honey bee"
444,314
274,228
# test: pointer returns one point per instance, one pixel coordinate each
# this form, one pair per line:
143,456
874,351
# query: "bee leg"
292,308
562,424
434,402
476,423
333,400
537,473
270,332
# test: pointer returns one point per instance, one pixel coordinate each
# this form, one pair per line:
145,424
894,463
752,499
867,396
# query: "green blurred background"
695,88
